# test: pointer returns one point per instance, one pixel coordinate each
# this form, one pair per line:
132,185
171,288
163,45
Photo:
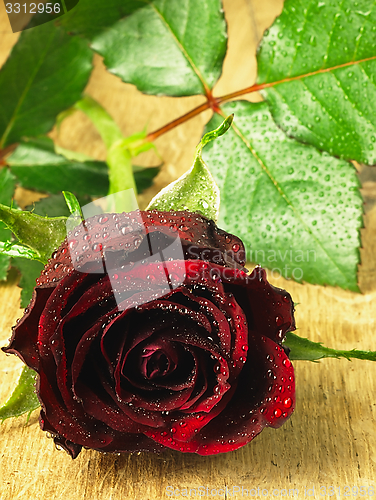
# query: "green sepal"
73,204
23,399
29,270
196,190
41,234
12,249
304,349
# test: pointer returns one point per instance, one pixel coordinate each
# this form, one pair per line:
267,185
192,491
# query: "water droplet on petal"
287,403
277,412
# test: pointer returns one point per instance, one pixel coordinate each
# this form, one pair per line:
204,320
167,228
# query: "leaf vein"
26,89
361,36
285,198
181,47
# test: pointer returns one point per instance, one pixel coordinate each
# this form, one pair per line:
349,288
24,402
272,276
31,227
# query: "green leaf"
71,155
297,210
37,166
73,204
329,49
45,73
172,48
41,234
144,176
30,270
91,17
307,350
196,190
11,249
55,206
23,399
7,184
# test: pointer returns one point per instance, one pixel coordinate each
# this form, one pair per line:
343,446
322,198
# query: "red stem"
166,128
214,102
4,152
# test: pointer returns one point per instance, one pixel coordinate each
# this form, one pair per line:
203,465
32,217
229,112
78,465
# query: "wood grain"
330,439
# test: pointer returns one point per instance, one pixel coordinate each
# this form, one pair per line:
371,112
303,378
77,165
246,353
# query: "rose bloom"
139,353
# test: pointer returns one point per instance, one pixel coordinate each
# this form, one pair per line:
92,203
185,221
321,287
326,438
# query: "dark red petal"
83,431
89,241
104,409
269,310
246,413
198,230
181,429
25,334
72,449
265,397
124,442
61,442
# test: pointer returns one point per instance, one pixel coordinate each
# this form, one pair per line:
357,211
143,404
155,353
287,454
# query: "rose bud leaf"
73,204
41,234
196,190
23,399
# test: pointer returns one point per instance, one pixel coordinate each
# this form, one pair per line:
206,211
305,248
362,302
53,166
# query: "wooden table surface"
330,439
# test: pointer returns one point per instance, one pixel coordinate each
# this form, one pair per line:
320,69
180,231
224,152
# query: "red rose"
135,354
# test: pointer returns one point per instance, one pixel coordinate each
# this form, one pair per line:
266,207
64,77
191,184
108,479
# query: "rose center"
154,363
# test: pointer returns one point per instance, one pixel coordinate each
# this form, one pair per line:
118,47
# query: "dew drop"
103,219
287,403
286,362
279,320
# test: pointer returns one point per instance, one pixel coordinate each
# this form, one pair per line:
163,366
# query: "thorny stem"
214,102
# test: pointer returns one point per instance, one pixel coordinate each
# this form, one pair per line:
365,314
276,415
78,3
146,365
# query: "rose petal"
25,334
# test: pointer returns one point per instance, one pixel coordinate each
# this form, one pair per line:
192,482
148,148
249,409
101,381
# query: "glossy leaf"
12,249
30,270
91,17
196,190
144,176
37,166
73,204
173,47
304,349
45,73
23,399
54,205
7,184
330,48
298,211
41,234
